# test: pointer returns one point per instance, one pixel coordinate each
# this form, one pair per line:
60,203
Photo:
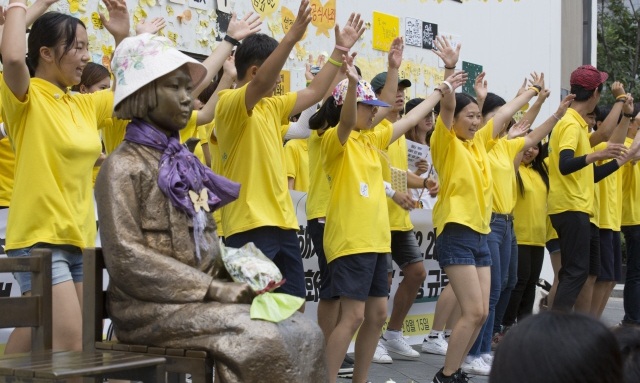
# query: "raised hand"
395,53
480,86
564,105
543,95
351,32
519,129
617,89
348,67
153,26
537,79
455,80
118,24
248,25
628,105
446,52
299,26
523,87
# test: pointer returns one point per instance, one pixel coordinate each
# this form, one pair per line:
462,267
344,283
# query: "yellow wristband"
533,88
334,62
621,97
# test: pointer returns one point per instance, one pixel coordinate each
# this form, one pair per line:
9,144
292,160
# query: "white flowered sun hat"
141,59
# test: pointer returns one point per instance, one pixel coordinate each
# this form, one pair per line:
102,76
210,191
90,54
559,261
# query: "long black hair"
539,166
327,116
49,30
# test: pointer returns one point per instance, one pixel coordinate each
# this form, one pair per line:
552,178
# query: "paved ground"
423,370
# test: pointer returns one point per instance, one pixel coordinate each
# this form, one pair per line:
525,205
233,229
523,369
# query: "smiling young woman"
56,143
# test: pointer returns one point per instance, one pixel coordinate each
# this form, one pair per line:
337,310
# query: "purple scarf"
181,171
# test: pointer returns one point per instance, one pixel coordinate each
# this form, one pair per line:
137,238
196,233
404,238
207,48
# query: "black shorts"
610,256
359,276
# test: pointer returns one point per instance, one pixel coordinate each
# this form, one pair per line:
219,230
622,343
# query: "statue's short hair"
138,104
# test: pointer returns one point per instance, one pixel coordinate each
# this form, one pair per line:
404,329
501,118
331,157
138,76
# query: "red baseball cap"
588,77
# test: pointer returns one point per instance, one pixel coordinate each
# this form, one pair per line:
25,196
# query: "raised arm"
506,111
418,113
449,56
480,86
237,31
543,130
349,112
152,26
620,132
37,9
605,130
266,76
345,39
207,113
119,23
532,112
16,73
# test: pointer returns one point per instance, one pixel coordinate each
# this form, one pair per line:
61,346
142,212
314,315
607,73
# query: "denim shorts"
404,248
359,276
461,245
66,264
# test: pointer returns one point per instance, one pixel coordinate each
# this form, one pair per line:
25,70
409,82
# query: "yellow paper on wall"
265,7
385,28
323,17
285,83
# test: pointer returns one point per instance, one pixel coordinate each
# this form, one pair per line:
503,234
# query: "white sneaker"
436,346
487,358
381,355
477,367
401,347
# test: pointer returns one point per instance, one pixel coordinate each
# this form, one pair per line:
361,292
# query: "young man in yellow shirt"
249,129
571,186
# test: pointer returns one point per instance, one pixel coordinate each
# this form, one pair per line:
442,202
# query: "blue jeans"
501,241
509,262
631,293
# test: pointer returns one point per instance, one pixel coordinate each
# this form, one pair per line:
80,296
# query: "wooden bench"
179,361
44,365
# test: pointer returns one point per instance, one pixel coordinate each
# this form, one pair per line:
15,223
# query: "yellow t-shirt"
191,131
318,196
465,178
214,152
630,175
113,130
399,218
355,224
7,163
297,157
609,198
56,143
575,191
252,153
501,159
530,211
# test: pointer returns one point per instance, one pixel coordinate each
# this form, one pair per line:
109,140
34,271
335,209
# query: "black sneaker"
346,369
441,378
461,376
349,359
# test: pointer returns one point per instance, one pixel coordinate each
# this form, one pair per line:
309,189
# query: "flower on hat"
364,93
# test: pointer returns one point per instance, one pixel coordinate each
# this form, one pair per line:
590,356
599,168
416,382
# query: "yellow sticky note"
285,83
265,7
95,20
385,29
323,17
170,11
288,18
172,36
74,5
